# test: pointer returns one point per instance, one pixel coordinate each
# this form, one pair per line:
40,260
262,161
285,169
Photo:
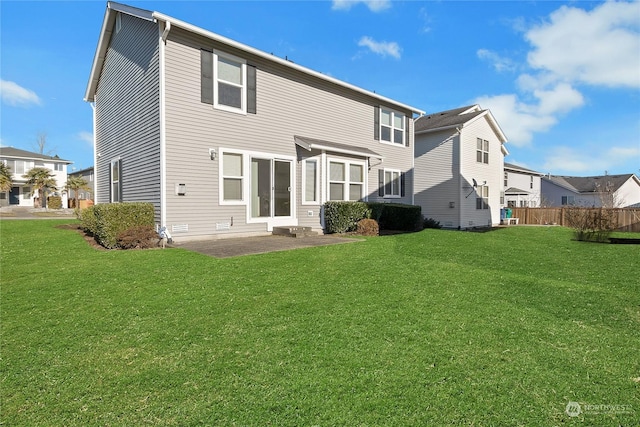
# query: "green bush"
54,202
88,221
341,217
114,218
431,223
396,216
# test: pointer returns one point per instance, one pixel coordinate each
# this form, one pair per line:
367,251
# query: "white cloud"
381,48
573,47
15,95
597,47
594,160
86,137
499,63
373,5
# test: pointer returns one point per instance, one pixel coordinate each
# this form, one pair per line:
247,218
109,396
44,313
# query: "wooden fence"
628,219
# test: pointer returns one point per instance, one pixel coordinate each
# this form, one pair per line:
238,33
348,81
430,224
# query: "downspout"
460,198
95,152
163,158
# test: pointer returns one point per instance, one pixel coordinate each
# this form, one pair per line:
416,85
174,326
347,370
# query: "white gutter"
164,33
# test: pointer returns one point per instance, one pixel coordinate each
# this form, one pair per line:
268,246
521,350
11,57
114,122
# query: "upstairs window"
391,126
227,82
59,167
482,151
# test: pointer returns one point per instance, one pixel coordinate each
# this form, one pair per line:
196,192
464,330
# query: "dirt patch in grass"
87,237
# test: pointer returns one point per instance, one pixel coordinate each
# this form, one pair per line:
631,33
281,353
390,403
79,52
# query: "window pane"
385,134
310,183
336,172
230,95
486,146
398,121
229,71
479,144
479,156
336,191
388,179
115,173
355,192
397,136
232,189
232,164
385,117
355,173
396,183
486,158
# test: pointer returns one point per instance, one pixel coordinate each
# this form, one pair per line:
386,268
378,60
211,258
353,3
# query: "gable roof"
457,117
24,154
590,184
520,169
109,21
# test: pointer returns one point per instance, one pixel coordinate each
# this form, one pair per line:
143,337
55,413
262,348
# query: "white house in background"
20,162
459,159
522,187
591,191
88,175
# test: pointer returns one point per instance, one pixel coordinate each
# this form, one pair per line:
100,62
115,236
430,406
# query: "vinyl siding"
437,177
288,103
471,169
127,114
522,181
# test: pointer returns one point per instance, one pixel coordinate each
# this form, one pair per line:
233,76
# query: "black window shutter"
206,76
251,89
406,131
376,124
402,184
119,181
381,182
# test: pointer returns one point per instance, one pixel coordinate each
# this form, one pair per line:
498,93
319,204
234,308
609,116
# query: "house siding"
127,113
522,181
289,103
437,176
471,169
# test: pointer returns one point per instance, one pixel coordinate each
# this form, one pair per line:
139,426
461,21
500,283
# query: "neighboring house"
459,157
87,175
521,187
20,162
225,139
592,191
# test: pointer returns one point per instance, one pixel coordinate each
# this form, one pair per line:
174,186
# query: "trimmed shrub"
138,237
431,223
341,217
88,221
368,227
54,202
114,218
395,216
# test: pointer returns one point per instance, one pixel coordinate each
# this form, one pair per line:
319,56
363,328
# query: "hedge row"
106,221
342,217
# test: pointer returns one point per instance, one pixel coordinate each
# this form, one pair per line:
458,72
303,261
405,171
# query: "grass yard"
435,328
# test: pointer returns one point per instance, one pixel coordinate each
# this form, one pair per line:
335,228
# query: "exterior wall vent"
180,228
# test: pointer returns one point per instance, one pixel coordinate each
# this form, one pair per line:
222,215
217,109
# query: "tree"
41,144
75,184
6,178
41,179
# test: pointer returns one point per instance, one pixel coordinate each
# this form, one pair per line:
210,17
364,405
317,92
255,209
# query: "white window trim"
480,195
483,151
115,161
243,178
304,181
347,181
243,96
392,196
393,128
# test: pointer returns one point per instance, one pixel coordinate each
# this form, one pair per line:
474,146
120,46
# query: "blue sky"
561,78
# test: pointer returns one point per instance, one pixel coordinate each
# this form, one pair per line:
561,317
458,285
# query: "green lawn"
432,328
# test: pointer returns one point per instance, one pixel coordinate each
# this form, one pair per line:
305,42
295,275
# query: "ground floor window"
346,180
115,178
310,173
232,177
482,200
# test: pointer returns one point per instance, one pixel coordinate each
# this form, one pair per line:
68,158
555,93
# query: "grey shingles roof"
18,153
445,118
590,184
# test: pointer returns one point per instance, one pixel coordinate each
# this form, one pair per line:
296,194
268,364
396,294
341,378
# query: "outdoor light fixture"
212,153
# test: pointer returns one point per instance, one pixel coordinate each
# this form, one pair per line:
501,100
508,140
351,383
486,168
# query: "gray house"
459,158
227,140
592,191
